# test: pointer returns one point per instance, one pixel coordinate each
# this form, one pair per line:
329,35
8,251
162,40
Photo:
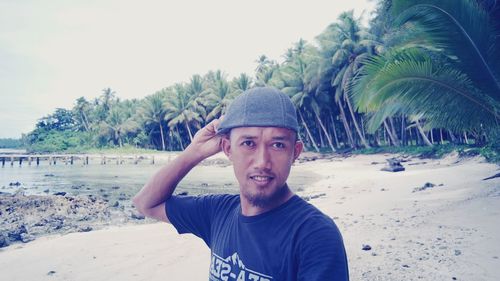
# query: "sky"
53,52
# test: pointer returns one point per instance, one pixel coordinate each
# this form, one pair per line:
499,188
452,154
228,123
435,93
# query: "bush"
56,141
491,151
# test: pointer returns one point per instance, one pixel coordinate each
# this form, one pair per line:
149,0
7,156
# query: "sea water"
114,181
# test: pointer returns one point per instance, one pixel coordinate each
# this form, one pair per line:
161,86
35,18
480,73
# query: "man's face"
262,158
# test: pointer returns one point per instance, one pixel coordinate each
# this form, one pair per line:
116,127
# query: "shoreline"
438,231
28,213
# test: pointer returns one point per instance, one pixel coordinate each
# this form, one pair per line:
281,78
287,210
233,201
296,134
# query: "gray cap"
260,107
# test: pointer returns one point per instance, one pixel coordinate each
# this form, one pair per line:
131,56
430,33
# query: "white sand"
445,232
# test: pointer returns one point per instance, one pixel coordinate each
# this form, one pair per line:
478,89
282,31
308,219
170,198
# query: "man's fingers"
212,126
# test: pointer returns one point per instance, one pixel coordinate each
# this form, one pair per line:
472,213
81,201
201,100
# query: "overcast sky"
52,52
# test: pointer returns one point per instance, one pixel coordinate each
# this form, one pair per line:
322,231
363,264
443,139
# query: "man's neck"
248,209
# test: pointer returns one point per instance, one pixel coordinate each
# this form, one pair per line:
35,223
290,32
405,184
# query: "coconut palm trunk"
393,139
393,131
189,130
179,137
162,137
85,121
422,133
361,137
308,132
466,139
326,133
346,126
120,142
403,132
334,131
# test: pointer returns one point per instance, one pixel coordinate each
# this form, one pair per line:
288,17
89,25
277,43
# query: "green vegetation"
10,143
423,78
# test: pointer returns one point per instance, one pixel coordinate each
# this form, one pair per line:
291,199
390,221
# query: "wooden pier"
76,159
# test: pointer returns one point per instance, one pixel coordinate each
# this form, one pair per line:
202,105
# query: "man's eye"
279,145
247,143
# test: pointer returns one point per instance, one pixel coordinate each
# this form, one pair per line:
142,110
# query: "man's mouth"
261,179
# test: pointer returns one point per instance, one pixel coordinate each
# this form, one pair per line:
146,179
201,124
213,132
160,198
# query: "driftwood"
394,165
492,177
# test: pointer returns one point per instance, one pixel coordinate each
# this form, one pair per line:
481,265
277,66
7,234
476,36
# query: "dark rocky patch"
137,216
307,198
25,217
427,185
4,241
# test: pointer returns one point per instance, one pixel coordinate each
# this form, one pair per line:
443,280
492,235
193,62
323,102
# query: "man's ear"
226,146
299,146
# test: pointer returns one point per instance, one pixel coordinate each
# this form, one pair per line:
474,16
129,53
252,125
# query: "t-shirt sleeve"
191,214
322,254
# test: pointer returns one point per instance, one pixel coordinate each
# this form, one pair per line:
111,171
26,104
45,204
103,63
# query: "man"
266,232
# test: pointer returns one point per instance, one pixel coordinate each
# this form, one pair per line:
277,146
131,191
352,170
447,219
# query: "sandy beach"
437,220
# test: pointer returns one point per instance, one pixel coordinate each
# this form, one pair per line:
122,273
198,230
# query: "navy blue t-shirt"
292,242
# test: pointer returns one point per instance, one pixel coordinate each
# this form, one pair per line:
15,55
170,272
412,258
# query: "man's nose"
262,159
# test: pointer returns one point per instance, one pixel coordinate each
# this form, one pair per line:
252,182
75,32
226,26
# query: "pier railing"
82,159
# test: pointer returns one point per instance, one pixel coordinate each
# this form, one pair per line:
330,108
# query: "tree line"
424,72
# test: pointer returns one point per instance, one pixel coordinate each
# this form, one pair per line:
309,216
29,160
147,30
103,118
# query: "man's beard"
262,200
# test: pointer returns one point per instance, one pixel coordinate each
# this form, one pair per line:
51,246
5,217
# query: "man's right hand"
205,142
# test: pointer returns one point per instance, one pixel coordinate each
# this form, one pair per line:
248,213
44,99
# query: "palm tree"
107,98
197,89
265,71
241,84
464,30
181,109
295,76
346,60
453,85
219,94
263,62
118,125
81,110
153,111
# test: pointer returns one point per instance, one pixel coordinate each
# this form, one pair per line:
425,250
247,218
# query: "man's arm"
150,201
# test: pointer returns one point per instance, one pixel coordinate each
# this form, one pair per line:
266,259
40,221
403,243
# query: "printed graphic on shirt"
232,268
